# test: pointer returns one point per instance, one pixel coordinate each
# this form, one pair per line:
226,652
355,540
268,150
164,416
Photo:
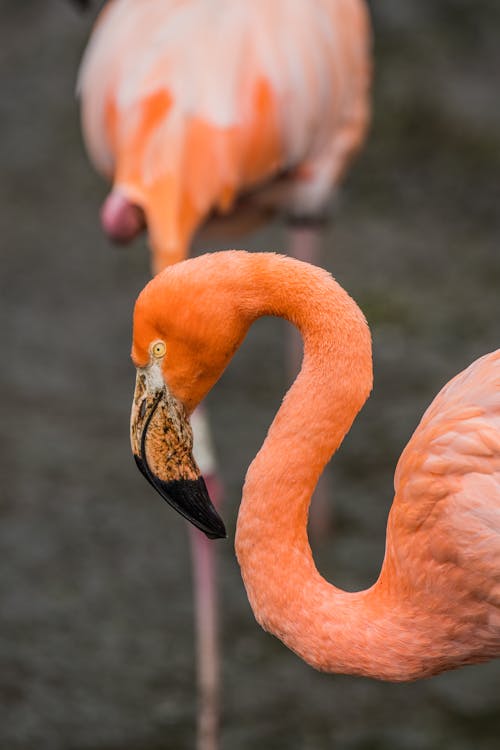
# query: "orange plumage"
436,603
187,106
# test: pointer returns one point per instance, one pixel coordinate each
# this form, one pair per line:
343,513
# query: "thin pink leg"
304,243
203,553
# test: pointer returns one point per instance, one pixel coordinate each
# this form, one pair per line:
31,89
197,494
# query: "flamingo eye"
158,349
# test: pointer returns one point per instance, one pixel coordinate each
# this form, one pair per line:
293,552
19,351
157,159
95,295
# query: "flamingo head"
186,329
121,219
128,211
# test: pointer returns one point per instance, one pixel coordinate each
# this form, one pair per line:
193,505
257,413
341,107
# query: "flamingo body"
188,105
436,603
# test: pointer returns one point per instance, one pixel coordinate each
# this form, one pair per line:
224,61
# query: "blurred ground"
96,641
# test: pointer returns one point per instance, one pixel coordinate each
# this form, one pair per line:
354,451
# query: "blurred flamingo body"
231,110
436,603
187,106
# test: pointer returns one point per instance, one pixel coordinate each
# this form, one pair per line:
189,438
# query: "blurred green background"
96,646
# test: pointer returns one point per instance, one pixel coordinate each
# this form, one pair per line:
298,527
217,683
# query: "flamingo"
223,111
189,106
436,603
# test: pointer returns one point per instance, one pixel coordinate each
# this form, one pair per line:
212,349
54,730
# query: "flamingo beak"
162,444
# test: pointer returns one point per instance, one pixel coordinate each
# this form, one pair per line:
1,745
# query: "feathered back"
446,513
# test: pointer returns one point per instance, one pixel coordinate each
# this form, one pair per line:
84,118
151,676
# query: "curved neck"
333,384
331,629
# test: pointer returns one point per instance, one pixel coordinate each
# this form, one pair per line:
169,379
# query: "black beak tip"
190,498
221,532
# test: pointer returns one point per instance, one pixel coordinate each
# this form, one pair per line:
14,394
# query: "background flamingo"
436,603
187,107
196,109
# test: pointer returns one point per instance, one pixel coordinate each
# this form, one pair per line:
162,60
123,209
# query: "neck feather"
331,629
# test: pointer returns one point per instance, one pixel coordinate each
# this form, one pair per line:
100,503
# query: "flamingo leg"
304,243
203,555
